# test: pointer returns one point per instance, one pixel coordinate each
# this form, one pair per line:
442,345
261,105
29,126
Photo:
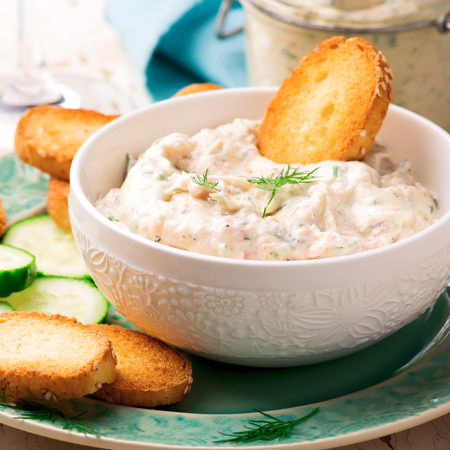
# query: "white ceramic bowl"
258,313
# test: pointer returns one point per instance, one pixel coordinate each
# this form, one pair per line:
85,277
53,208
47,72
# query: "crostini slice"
149,372
52,357
331,107
48,137
58,202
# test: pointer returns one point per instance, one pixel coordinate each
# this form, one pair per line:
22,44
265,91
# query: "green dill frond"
42,413
273,183
265,430
202,180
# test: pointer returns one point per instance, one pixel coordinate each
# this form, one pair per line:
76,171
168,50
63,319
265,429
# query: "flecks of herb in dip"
199,194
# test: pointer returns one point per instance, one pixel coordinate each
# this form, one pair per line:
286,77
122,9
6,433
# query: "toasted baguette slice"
2,219
58,202
196,88
149,372
331,107
47,137
52,357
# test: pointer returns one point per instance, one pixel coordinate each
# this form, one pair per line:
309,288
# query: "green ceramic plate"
228,389
395,384
223,397
23,189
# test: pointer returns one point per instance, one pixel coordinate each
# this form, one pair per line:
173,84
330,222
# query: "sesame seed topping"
377,91
95,365
43,391
191,380
99,385
41,153
186,390
383,85
383,59
48,395
54,398
362,151
363,133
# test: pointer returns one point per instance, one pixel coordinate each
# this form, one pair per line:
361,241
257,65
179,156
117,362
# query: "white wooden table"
76,39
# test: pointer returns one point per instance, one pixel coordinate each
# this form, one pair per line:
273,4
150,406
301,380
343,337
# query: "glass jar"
412,34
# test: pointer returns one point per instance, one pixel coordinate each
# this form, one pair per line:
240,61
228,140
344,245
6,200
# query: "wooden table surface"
87,45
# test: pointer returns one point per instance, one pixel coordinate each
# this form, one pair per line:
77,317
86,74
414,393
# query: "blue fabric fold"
173,43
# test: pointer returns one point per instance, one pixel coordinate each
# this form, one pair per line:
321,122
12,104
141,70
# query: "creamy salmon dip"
202,194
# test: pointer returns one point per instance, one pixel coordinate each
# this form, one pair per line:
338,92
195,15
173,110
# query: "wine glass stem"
32,84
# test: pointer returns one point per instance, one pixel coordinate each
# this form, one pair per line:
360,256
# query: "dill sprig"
265,430
272,184
42,413
202,180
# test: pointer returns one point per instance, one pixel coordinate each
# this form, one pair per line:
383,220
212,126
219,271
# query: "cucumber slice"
55,249
66,296
17,270
5,307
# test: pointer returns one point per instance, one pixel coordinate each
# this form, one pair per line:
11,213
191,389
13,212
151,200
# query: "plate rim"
366,434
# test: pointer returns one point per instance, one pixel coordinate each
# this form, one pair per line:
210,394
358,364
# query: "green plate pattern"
414,396
23,189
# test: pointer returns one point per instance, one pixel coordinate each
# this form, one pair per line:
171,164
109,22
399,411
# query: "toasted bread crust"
331,107
58,202
52,357
149,372
196,88
2,219
47,137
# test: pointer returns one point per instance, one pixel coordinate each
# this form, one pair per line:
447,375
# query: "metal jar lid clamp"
442,23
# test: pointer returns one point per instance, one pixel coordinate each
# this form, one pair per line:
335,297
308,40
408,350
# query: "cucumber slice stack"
66,296
63,285
17,270
55,249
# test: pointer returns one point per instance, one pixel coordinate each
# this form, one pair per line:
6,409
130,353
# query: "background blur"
74,38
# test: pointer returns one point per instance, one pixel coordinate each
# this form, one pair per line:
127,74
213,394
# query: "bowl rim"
77,191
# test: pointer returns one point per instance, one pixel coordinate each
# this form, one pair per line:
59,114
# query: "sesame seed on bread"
149,372
52,357
331,107
58,202
47,137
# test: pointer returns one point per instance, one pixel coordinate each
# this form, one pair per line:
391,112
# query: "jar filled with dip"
412,34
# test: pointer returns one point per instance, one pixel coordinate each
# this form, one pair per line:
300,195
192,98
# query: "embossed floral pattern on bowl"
268,314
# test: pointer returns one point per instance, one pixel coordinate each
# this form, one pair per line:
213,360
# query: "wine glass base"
77,92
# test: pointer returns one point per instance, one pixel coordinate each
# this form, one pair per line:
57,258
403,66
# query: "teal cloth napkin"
173,43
